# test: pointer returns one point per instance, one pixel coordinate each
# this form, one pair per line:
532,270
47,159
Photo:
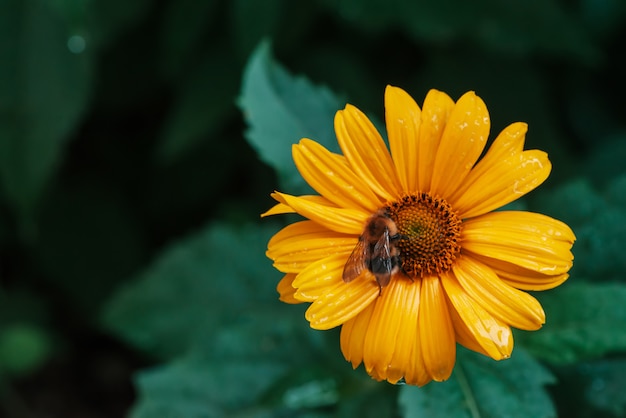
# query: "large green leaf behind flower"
208,308
482,387
280,109
584,321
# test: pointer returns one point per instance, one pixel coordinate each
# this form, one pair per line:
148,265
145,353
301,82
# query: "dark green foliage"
140,140
490,24
44,92
598,218
584,321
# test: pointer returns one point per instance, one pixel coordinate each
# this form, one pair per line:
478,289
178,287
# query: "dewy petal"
353,336
342,301
522,278
407,361
436,334
511,306
393,330
490,334
505,182
299,244
348,221
286,290
508,143
462,142
530,240
403,117
318,277
463,334
331,176
435,113
366,153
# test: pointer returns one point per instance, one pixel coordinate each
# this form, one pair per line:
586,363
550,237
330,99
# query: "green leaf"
209,305
368,398
482,387
604,382
44,91
583,320
280,109
205,102
599,220
208,281
196,387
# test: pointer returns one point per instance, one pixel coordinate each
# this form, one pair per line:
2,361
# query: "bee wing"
381,259
356,262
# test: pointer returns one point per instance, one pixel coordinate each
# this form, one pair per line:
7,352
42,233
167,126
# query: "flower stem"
467,391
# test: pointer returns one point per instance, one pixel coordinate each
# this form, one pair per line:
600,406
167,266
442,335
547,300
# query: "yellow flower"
402,248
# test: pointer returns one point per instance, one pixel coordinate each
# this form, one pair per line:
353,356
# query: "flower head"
402,248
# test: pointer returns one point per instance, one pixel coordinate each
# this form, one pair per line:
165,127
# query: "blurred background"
133,280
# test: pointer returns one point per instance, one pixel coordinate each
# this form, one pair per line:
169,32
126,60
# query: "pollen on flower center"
429,234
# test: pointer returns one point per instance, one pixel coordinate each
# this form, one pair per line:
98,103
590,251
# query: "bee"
376,251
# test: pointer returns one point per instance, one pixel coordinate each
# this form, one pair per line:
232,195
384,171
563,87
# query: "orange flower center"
429,234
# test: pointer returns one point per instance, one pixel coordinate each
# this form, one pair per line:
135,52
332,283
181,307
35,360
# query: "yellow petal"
506,181
278,209
348,221
366,153
318,277
436,333
508,143
494,337
520,277
286,290
393,329
282,208
530,240
403,117
462,142
462,333
297,245
553,282
331,176
353,336
341,302
406,361
509,305
416,374
302,229
435,113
